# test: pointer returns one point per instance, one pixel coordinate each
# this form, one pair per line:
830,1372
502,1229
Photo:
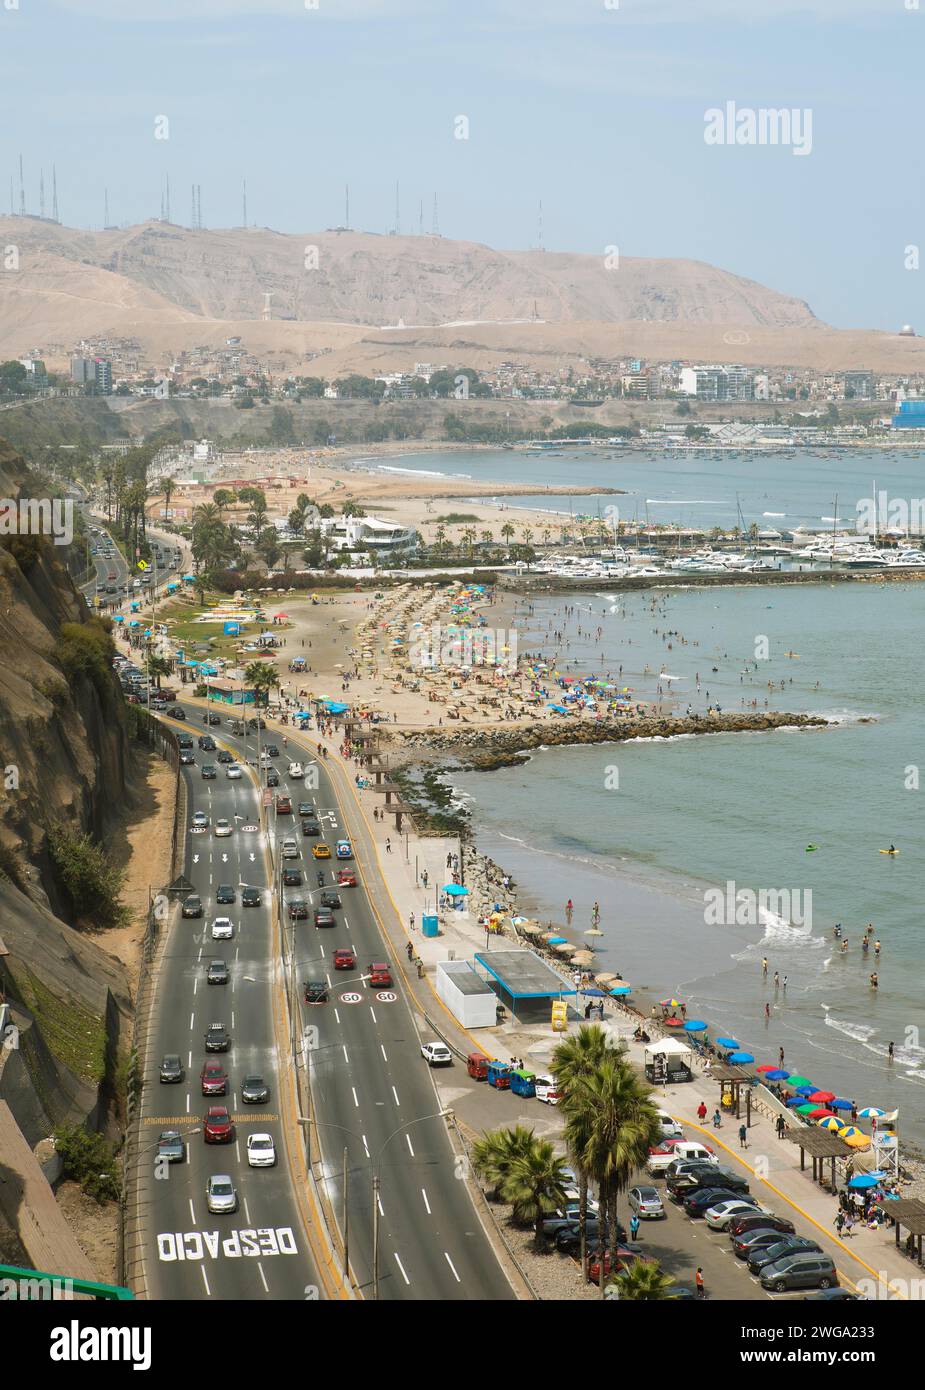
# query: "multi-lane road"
373,1098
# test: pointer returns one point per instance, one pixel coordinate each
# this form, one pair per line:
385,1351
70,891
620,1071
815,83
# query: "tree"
158,666
573,1060
263,676
169,487
267,546
643,1282
507,531
487,537
222,498
494,1153
440,539
535,1185
468,539
13,376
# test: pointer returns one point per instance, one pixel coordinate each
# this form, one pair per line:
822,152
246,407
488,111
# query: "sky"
596,109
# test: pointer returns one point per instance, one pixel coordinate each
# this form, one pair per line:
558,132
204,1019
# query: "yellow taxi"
321,851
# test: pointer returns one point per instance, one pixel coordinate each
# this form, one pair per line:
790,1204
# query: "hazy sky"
592,107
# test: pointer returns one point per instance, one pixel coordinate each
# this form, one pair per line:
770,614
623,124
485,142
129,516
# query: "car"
297,909
547,1091
272,778
625,1257
223,827
809,1271
710,1175
185,741
682,1291
218,1126
753,1243
200,821
271,750
217,973
315,992
171,1068
220,1194
207,743
292,878
222,929
225,893
720,1216
669,1126
192,906
208,772
767,1221
646,1203
295,770
344,849
436,1054
699,1202
330,898
380,976
290,848
284,805
346,878
251,897
233,772
213,1079
774,1248
223,756
324,917
256,723
672,1149
187,759
311,827
306,809
213,720
254,1090
344,959
217,1039
177,713
261,1151
321,851
835,1295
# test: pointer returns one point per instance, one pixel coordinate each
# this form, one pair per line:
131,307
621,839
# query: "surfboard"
889,851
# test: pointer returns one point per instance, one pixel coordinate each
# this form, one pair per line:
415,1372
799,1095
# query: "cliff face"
64,751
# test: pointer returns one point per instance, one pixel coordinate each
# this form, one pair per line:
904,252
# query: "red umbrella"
822,1096
821,1113
768,1066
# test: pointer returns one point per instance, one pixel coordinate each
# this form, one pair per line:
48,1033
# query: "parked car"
669,1126
660,1157
767,1221
254,1091
625,1257
810,1271
221,1196
546,1090
698,1202
436,1054
711,1175
646,1203
760,1256
836,1295
721,1216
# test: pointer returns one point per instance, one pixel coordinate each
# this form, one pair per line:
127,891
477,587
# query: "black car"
711,1175
740,1224
192,906
209,772
297,908
217,974
171,1068
315,992
311,827
776,1248
223,756
834,1296
292,878
255,724
225,893
177,713
186,758
251,897
213,719
271,750
254,1090
272,777
217,1038
306,809
324,917
207,743
185,740
696,1203
568,1240
329,898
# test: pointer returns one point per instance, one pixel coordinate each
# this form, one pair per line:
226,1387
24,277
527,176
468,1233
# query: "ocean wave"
860,1032
418,472
773,513
779,932
684,502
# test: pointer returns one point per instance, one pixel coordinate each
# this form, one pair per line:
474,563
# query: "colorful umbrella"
858,1141
829,1123
801,1081
670,1003
840,1104
823,1097
863,1180
673,1022
767,1066
816,1112
870,1112
727,1042
850,1132
806,1108
621,989
776,1075
805,1091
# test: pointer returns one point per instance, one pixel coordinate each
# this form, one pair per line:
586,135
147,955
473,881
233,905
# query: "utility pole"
54,194
192,219
435,225
22,191
41,193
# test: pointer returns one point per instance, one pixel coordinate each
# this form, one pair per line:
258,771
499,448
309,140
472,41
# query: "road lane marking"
382,1050
205,1280
395,1094
402,1268
453,1268
192,1214
355,1101
426,1203
263,1277
247,1214
366,1149
410,1147
346,1054
191,1021
372,1013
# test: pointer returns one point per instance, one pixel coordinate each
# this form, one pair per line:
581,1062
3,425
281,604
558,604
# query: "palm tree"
487,537
493,1154
546,534
440,538
535,1185
573,1060
158,666
527,535
168,487
263,676
643,1282
623,1125
468,539
507,531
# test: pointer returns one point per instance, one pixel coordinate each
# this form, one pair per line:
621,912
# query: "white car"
546,1090
222,929
232,770
436,1054
719,1217
669,1126
290,849
261,1151
223,827
220,1194
295,770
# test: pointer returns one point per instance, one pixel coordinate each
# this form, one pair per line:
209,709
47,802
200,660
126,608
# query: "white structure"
347,532
467,996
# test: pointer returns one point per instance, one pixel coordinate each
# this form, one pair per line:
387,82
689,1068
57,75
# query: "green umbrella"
794,1081
806,1108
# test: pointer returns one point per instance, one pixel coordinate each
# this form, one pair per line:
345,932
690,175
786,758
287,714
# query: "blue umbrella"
594,993
727,1042
806,1090
776,1075
621,989
741,1057
556,940
839,1103
694,1025
864,1180
455,890
795,1100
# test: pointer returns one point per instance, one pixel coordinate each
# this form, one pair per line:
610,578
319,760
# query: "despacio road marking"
199,1245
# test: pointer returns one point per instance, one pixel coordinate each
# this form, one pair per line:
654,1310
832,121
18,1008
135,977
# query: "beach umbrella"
742,1057
621,989
670,1003
815,1112
858,1141
555,940
841,1104
727,1042
766,1066
695,1025
455,890
594,993
864,1180
804,1091
850,1132
823,1097
673,1022
583,957
594,931
801,1081
606,977
870,1112
776,1074
829,1123
566,949
792,1101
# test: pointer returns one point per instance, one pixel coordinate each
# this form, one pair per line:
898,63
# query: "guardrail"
130,1268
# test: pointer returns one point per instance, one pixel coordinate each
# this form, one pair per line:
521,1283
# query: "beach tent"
669,1047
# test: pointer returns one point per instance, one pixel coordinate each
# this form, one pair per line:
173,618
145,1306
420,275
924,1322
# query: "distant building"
911,416
762,389
103,375
347,532
859,386
717,383
83,370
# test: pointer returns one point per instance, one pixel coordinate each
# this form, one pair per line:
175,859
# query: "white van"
669,1126
685,1149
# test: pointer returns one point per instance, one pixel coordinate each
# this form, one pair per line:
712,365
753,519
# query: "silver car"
220,1194
646,1203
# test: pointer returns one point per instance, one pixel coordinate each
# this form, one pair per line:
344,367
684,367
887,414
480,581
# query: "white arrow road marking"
252,857
195,858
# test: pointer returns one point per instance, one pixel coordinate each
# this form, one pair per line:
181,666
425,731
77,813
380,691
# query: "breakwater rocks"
489,748
527,583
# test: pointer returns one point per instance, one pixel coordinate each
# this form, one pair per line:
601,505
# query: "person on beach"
776,980
781,1126
388,845
717,1120
634,1226
890,1049
767,1011
839,1222
411,921
743,1137
874,982
764,967
698,1280
569,909
701,1112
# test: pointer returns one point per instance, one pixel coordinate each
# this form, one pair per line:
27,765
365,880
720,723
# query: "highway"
372,1091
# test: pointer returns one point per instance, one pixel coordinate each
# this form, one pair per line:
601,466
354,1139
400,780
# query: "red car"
218,1126
346,878
284,805
380,976
214,1079
344,959
625,1258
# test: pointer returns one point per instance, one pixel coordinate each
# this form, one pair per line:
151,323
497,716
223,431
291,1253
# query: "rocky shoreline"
487,749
